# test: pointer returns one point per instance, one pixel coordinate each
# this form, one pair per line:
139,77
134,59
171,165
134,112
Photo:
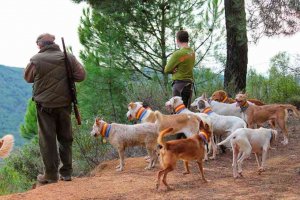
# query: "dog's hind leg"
164,180
258,157
200,165
282,126
246,153
235,152
153,158
121,156
214,148
263,160
187,169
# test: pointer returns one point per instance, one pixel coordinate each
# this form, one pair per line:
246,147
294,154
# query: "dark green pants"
55,125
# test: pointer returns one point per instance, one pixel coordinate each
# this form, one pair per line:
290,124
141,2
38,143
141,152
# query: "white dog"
176,105
121,136
222,125
246,140
221,108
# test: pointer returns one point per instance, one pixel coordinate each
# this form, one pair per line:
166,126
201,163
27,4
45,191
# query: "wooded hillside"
14,93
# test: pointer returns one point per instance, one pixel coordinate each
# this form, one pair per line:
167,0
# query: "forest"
126,47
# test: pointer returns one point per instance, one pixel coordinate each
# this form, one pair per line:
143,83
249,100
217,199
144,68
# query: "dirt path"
280,181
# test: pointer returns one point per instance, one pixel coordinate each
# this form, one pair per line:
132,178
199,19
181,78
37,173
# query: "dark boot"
43,179
65,178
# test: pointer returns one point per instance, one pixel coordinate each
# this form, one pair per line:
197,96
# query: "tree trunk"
237,48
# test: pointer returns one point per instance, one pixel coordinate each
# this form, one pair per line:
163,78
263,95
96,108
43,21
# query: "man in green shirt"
181,66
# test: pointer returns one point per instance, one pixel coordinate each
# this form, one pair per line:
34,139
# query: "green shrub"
12,181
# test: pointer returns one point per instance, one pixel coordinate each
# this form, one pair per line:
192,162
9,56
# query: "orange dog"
257,115
188,149
221,96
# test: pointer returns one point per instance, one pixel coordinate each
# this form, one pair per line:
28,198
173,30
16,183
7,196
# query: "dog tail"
160,139
227,139
6,145
158,116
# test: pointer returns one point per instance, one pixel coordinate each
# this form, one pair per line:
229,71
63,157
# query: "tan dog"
181,123
121,136
246,140
257,115
176,105
188,149
6,145
138,112
221,96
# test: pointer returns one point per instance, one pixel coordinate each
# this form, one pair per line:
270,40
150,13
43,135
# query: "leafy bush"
20,170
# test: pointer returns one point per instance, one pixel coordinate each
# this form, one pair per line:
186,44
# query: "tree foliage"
29,128
273,17
140,35
281,85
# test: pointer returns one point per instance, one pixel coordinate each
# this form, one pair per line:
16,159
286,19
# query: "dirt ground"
281,180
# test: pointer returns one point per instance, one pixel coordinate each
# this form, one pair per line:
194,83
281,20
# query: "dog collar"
179,108
203,136
207,110
105,130
141,113
244,107
225,99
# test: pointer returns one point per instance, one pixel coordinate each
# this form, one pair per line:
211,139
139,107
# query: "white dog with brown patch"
246,140
121,136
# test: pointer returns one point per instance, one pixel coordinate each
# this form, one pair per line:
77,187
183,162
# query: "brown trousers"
184,89
55,125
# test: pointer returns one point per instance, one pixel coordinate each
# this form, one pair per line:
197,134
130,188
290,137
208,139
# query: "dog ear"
132,105
97,120
175,99
201,124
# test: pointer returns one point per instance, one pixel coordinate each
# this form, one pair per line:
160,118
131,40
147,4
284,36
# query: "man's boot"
43,179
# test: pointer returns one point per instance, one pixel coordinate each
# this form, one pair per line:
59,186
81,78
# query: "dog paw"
284,142
119,169
212,157
186,172
260,170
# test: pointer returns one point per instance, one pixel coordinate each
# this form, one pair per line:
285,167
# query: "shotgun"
71,84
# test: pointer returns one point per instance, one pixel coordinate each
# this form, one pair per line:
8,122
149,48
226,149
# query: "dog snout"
129,116
93,133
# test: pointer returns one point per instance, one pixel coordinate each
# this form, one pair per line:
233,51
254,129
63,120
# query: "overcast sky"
23,20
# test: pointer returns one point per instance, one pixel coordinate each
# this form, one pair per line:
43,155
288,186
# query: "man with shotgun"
53,73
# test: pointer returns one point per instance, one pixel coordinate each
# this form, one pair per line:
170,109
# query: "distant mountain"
14,94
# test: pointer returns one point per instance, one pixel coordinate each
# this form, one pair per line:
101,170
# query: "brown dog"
221,96
188,149
257,115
